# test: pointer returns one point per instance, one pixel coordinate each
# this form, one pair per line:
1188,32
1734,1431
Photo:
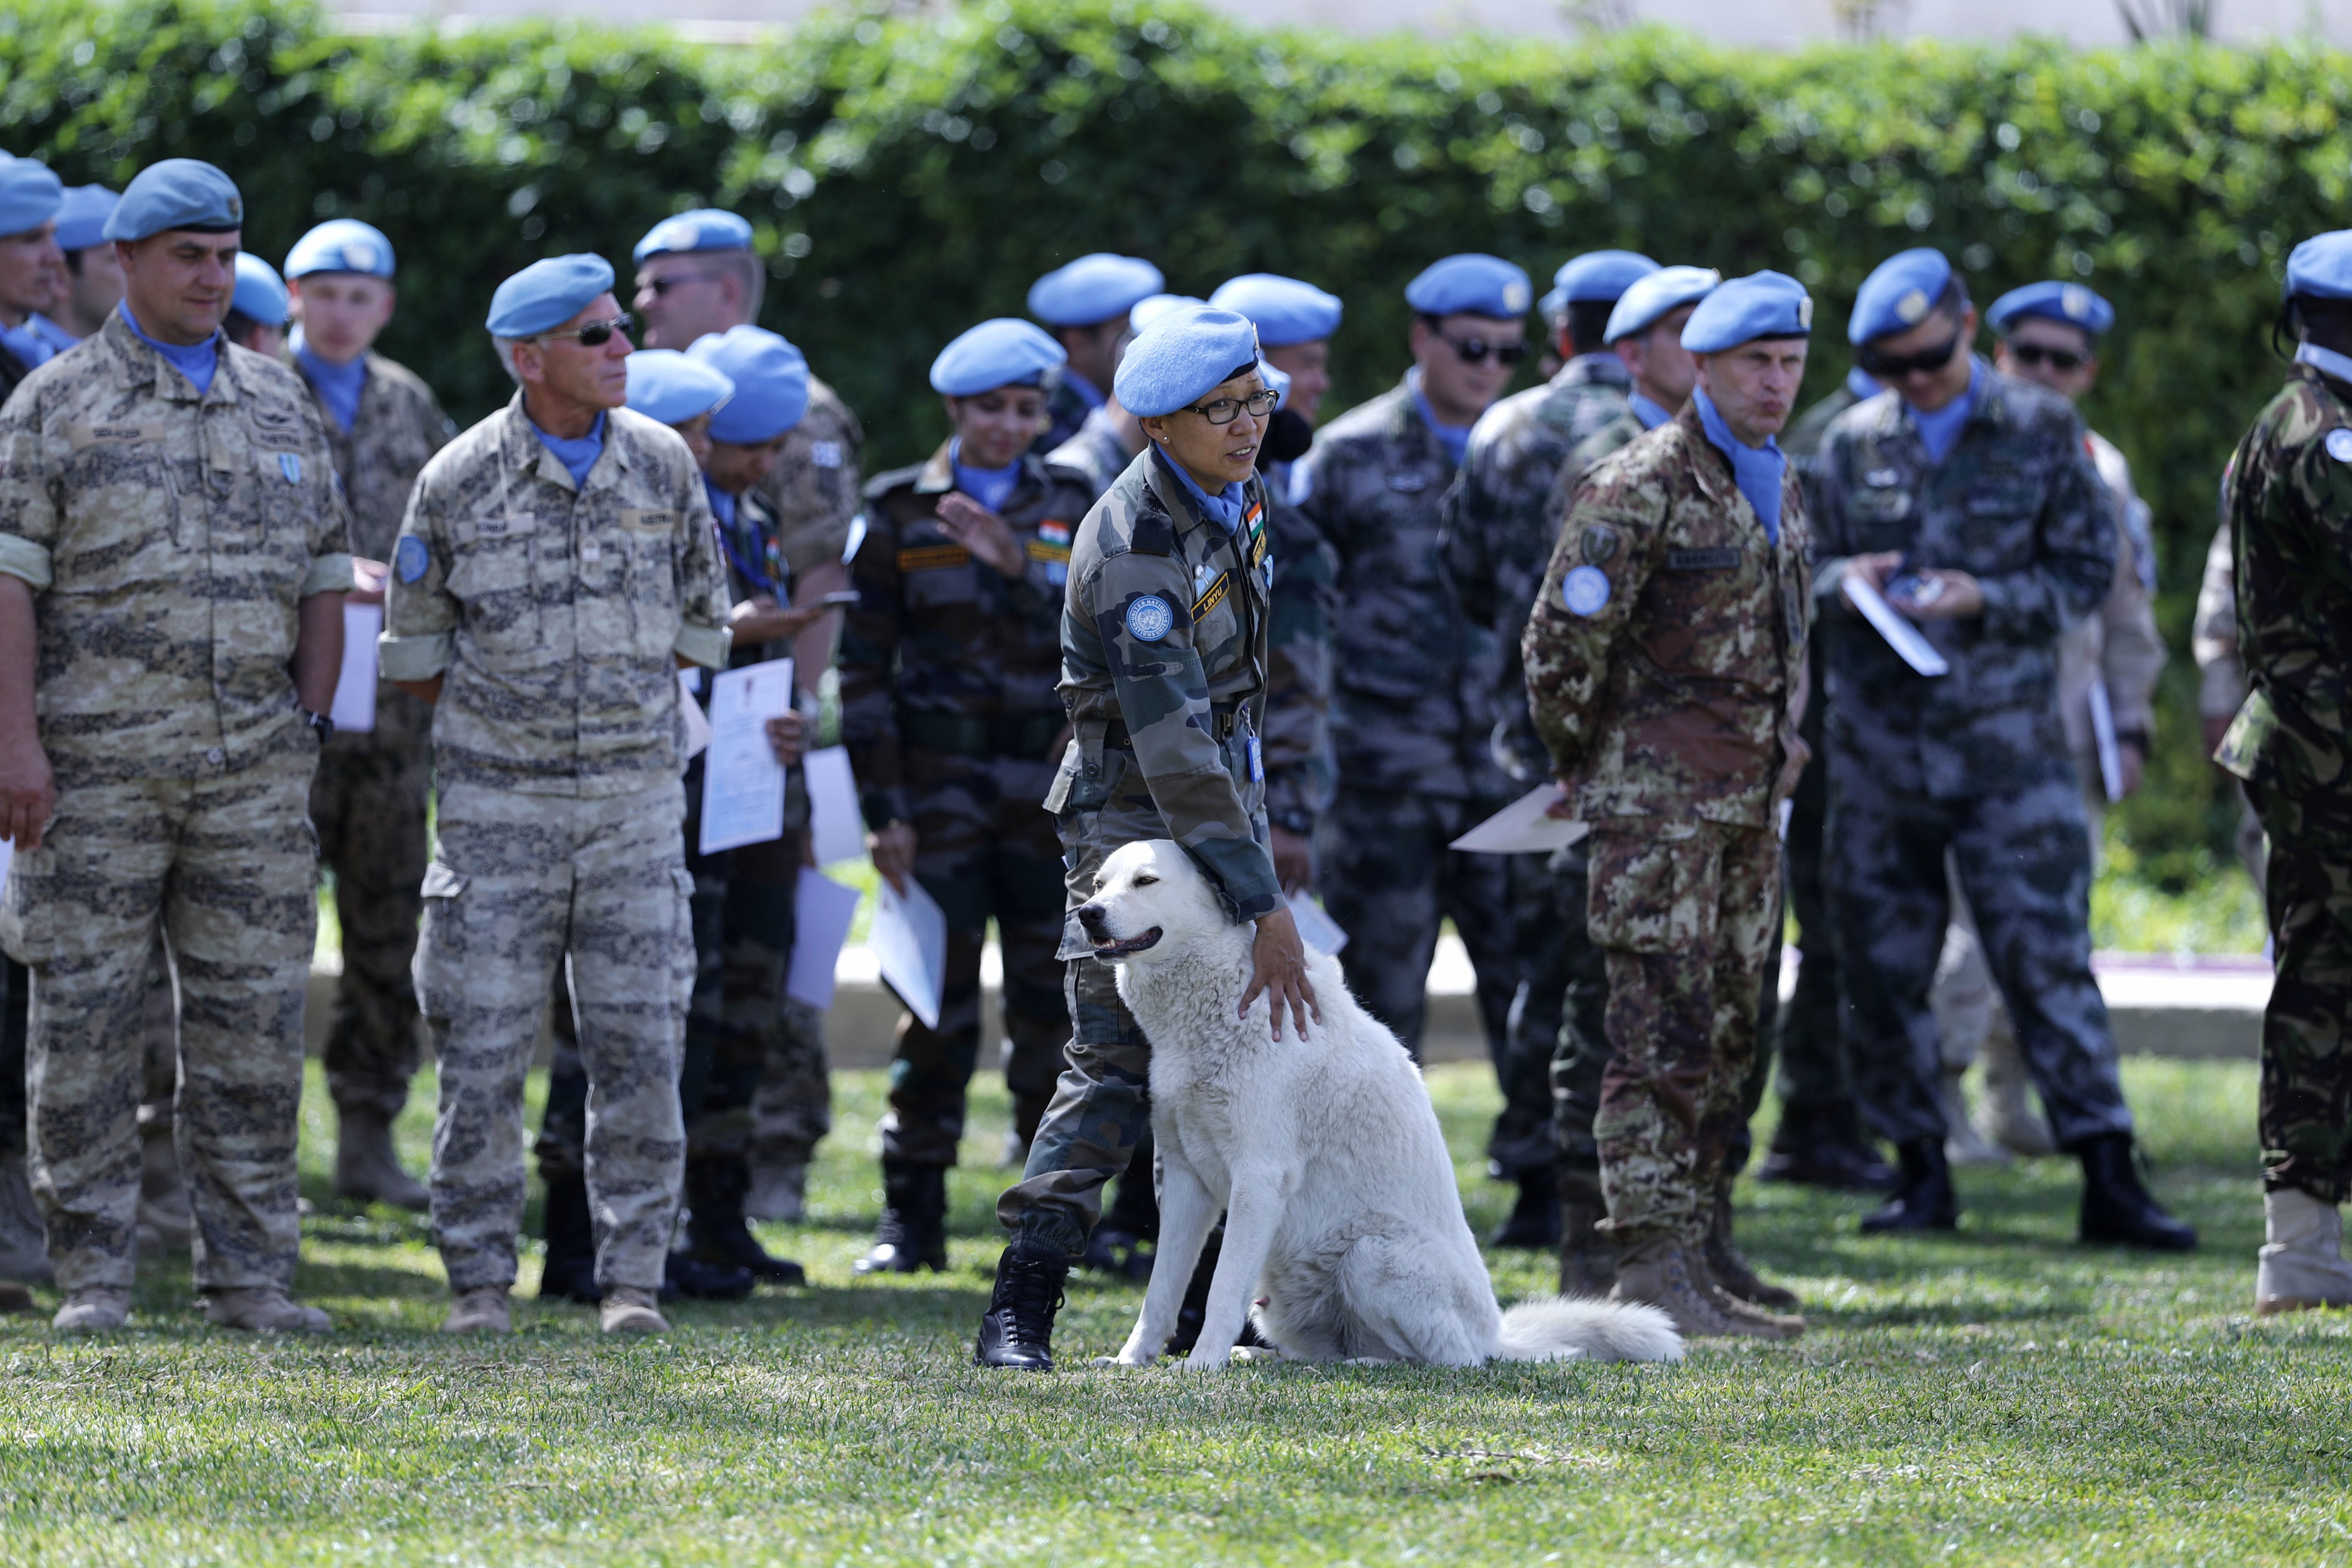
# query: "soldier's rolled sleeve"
1566,654
23,558
420,618
2075,565
703,603
28,509
328,575
869,642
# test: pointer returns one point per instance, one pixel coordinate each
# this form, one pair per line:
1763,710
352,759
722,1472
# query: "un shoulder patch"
1149,618
2339,444
1600,545
410,558
1584,590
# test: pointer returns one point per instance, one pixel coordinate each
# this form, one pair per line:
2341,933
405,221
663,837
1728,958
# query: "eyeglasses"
594,334
2059,359
1892,367
1226,410
1473,351
663,285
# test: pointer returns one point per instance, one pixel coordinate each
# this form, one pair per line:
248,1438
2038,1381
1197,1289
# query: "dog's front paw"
1131,1353
1205,1361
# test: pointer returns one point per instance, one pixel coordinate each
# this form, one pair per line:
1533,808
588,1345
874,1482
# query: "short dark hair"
73,262
1587,324
240,327
1954,300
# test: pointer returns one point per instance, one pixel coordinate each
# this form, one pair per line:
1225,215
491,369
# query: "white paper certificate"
354,707
1526,826
2102,734
1316,929
1900,635
742,783
909,939
822,911
835,825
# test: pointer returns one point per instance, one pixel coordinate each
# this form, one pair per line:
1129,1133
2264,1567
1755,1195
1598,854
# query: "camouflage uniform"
1301,607
2222,674
1673,740
555,614
1974,761
1164,674
368,801
2288,501
948,672
1067,411
1093,450
1499,521
168,537
1409,718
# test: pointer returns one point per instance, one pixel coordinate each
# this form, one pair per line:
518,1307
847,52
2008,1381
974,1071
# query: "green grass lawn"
1999,1395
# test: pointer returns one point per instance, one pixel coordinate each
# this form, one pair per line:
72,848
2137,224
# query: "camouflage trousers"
2306,1097
2024,862
368,802
1389,881
793,1109
984,849
1809,1034
226,867
1552,952
1683,912
1102,1106
520,884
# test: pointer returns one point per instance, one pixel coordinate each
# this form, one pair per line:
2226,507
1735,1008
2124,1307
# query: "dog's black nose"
1091,916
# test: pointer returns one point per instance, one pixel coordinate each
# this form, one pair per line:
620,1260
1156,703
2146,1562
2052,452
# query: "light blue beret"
1151,307
1761,305
30,195
1654,294
546,294
260,293
82,221
2071,303
341,245
2321,267
1553,306
770,383
178,193
1472,284
673,387
1599,275
1287,311
1898,295
1006,351
1093,289
1184,355
1277,382
705,228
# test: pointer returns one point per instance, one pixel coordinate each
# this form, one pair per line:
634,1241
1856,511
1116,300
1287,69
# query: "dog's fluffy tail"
1559,1327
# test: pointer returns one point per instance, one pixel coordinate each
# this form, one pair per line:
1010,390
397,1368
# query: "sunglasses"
2057,359
1226,410
1890,367
661,286
1473,351
594,335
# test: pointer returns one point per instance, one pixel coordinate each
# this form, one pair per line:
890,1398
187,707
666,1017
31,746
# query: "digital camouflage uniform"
168,537
368,801
556,615
1667,709
1409,718
1163,675
1974,761
2288,503
1302,606
1498,529
1093,450
948,708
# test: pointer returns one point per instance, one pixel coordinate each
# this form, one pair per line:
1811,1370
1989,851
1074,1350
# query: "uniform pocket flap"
443,881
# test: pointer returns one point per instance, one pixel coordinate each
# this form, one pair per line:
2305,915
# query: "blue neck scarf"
1089,393
1757,470
50,332
1224,511
1939,432
991,487
338,385
760,567
26,344
2328,362
577,456
1862,383
1454,438
1651,414
197,361
722,503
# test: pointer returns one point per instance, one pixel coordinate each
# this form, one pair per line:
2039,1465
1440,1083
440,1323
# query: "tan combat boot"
1745,1317
629,1309
1588,1255
2006,1115
2301,1266
1657,1271
264,1309
481,1310
94,1310
1732,1271
367,1167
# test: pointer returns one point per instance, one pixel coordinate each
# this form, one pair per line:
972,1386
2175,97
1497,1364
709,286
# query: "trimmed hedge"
908,174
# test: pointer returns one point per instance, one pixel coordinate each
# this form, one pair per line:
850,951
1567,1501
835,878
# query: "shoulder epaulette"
1153,536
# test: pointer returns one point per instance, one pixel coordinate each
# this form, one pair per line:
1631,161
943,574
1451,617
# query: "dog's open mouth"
1107,950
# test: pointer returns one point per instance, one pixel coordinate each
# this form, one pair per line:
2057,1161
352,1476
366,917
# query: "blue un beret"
1180,357
1471,284
771,383
1761,305
178,193
341,245
82,221
1553,306
705,228
1151,307
1287,311
2071,303
1599,275
671,387
1006,351
1277,382
30,194
1093,289
2321,267
1898,296
260,293
546,294
1654,294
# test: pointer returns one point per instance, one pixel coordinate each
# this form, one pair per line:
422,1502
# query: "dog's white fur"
1342,1221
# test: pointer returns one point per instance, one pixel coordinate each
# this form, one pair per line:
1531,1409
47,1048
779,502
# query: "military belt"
974,735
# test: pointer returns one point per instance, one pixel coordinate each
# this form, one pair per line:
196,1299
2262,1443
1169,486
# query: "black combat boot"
2115,1207
570,1271
1824,1146
1017,1330
1925,1200
1534,1220
716,1229
913,1234
1121,1243
1193,1315
685,1275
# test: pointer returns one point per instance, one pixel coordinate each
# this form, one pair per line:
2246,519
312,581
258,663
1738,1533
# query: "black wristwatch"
319,722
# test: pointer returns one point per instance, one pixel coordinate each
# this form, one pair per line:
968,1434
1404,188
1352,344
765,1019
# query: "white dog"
1341,1218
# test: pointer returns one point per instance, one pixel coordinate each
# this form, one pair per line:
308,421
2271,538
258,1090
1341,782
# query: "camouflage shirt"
2015,503
1499,525
1302,605
1095,451
557,613
1670,697
813,487
1067,411
2288,504
1163,636
941,650
168,538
